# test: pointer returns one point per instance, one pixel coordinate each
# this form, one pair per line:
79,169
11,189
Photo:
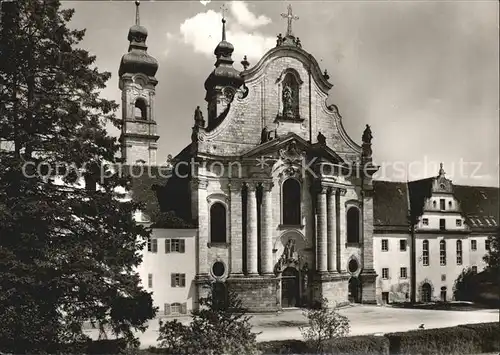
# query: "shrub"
324,324
220,326
107,346
283,347
488,333
466,286
365,344
453,340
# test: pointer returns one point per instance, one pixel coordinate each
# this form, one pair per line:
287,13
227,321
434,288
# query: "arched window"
353,225
442,252
140,110
425,252
459,252
291,202
218,223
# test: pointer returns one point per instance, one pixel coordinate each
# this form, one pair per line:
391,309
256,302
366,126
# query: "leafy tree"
67,254
465,287
324,324
219,326
492,258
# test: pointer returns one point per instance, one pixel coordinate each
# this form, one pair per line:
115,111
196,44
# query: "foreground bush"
453,340
368,344
364,344
283,347
489,334
324,325
220,326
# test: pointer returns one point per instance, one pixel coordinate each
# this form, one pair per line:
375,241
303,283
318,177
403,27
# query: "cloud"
245,17
204,31
205,2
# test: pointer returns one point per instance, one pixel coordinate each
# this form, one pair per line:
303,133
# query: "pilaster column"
236,228
201,245
368,230
321,246
332,231
341,230
252,229
266,240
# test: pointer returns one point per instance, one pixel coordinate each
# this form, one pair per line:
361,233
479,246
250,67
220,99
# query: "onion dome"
224,73
137,60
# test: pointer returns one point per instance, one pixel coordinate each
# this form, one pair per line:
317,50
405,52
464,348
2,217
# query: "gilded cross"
290,17
223,9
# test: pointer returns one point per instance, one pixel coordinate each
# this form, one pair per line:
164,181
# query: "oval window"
353,265
218,269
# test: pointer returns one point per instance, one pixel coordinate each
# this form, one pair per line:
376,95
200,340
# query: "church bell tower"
137,82
222,83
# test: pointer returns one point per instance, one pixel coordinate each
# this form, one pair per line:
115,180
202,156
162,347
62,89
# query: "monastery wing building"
273,199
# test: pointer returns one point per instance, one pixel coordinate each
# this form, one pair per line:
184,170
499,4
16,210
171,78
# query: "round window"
353,265
218,269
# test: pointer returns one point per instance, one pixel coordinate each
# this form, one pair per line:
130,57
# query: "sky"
423,74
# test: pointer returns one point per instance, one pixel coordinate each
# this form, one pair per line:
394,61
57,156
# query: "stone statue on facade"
198,117
367,135
279,40
321,138
289,250
367,142
268,134
287,98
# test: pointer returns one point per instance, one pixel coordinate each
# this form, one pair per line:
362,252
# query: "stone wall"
258,294
334,287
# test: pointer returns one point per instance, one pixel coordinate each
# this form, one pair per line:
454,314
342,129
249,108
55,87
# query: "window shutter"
149,244
182,246
155,245
183,280
184,308
167,246
172,280
167,309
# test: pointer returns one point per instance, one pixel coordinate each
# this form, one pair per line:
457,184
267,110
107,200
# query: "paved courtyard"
363,319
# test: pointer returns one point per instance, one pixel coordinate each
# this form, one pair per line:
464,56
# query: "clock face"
140,82
228,93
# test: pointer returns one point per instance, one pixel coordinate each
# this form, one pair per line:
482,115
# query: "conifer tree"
68,253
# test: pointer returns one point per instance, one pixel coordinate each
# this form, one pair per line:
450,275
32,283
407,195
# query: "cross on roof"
224,10
290,17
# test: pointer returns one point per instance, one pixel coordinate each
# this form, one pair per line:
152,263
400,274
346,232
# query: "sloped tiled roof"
479,205
390,203
419,191
165,198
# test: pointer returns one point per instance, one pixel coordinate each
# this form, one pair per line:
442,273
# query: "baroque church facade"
271,198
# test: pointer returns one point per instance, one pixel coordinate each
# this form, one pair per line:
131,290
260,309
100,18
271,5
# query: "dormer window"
140,110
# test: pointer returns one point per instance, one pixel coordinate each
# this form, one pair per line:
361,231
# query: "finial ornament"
367,135
137,17
223,9
290,17
441,170
245,63
367,143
